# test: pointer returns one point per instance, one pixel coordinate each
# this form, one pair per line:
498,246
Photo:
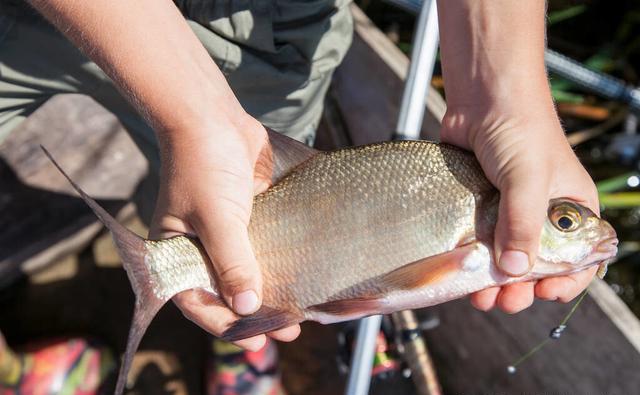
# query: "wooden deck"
85,291
41,219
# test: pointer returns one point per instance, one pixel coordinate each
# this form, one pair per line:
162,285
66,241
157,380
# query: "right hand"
207,182
209,145
525,154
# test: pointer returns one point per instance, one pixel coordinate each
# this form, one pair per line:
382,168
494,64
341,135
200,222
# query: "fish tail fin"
143,314
132,250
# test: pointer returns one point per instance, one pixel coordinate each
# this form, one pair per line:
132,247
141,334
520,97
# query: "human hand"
209,145
208,180
527,157
499,106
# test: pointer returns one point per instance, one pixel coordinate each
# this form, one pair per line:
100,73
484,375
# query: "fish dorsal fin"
287,154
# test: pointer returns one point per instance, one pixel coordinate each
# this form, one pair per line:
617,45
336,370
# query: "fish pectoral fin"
286,154
426,271
266,319
413,275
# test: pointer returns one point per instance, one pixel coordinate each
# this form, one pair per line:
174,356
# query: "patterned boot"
234,371
65,366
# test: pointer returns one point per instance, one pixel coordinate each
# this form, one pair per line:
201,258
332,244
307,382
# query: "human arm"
209,145
500,107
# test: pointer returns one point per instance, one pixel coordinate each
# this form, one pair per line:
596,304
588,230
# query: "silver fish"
359,231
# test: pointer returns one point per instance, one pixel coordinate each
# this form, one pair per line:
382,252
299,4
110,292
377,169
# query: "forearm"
493,58
150,52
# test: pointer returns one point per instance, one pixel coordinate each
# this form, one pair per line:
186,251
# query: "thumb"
226,239
522,212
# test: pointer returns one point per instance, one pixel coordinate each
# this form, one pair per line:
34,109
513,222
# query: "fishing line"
553,335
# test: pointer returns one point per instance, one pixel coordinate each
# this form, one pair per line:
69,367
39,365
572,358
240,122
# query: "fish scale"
176,264
349,237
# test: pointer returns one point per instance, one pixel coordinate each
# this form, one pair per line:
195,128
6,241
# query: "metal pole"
423,58
360,373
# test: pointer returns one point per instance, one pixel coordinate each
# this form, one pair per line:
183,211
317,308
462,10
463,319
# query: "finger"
165,226
205,310
516,297
523,205
212,318
254,343
565,288
226,240
485,300
287,334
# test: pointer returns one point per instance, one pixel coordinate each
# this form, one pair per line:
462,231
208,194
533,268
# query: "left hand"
527,157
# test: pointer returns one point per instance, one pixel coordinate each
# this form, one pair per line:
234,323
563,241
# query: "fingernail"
515,263
245,302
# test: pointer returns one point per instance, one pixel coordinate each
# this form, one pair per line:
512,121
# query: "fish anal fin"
354,307
266,319
286,154
427,271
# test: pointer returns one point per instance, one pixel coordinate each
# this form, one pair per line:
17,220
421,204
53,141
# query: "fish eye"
565,218
565,222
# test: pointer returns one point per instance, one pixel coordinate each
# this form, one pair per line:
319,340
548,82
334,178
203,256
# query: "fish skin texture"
355,214
345,217
341,234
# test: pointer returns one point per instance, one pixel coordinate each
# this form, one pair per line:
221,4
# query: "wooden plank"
472,349
617,311
332,132
368,86
396,60
92,146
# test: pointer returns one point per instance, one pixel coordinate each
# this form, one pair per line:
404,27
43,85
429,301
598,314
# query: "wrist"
466,125
212,131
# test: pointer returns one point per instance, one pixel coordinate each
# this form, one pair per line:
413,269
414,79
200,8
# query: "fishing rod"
594,81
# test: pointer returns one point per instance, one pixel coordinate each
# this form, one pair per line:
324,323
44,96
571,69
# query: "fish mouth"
608,246
604,253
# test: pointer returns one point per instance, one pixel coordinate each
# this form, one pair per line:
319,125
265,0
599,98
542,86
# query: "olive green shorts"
278,57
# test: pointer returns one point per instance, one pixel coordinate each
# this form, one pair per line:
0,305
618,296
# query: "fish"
354,232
